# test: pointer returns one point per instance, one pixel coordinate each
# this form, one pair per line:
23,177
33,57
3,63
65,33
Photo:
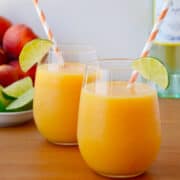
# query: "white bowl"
15,118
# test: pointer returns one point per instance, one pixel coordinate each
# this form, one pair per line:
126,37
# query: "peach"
31,73
15,38
4,25
8,75
3,58
15,64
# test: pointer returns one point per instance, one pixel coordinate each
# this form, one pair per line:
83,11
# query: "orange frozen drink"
119,131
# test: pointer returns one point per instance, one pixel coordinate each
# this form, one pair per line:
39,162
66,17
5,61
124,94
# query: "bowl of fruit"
16,86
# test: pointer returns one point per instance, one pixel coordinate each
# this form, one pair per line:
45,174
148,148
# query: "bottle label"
170,29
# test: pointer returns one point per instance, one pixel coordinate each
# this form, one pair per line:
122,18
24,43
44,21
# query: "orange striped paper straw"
48,31
151,38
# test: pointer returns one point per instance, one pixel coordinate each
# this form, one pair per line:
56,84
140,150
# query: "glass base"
173,91
64,143
120,176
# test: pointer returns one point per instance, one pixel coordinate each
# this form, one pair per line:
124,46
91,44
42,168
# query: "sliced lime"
2,107
3,101
24,102
33,52
18,88
152,69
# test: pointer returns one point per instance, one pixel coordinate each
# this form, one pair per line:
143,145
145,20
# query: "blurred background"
116,28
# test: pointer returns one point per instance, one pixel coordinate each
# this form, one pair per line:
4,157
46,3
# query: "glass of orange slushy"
57,92
119,131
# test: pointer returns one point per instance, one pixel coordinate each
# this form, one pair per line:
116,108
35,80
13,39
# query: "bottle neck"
170,29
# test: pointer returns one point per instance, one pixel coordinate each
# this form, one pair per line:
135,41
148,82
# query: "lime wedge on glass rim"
152,69
24,102
18,88
33,52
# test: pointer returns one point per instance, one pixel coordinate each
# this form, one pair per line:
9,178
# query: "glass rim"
74,48
123,63
116,59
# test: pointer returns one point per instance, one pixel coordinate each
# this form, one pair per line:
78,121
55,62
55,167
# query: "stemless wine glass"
119,131
57,92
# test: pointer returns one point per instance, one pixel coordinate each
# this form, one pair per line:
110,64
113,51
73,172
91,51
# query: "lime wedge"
33,52
3,101
2,107
24,102
18,88
152,69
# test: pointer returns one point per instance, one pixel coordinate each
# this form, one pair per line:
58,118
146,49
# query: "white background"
116,28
